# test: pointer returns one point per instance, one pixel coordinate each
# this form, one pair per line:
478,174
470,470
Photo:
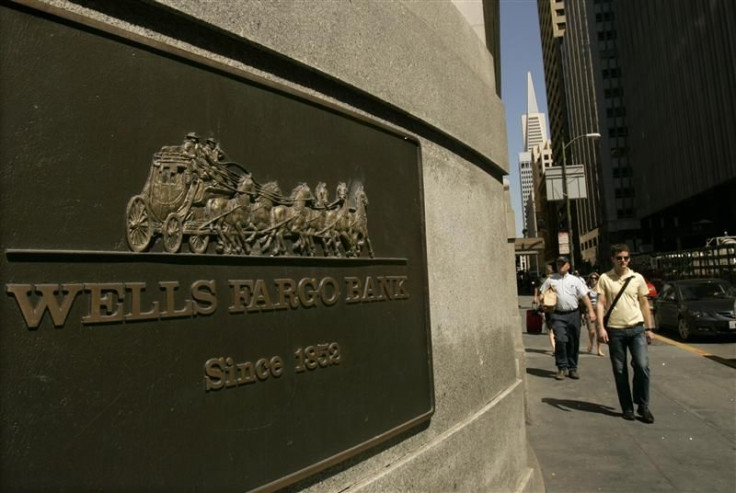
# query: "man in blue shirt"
565,319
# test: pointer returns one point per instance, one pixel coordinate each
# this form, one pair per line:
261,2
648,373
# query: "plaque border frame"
36,7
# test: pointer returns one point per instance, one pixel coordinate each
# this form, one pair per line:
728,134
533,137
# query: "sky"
521,52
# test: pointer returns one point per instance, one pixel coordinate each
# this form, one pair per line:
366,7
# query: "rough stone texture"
420,56
477,438
465,235
424,60
467,458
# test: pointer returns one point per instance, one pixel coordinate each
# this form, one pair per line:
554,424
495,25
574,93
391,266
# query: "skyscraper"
579,55
584,103
655,79
534,133
678,77
552,30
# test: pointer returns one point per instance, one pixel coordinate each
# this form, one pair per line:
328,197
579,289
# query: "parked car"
696,307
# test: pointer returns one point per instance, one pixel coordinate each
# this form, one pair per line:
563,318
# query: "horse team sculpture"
192,192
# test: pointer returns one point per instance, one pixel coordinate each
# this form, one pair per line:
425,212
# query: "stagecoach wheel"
138,229
199,243
173,233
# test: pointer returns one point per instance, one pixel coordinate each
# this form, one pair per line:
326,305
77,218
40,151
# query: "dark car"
696,307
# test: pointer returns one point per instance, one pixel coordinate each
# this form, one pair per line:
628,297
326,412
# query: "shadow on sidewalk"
538,372
573,405
724,361
532,350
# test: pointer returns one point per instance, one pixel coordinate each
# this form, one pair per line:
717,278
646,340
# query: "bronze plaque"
210,283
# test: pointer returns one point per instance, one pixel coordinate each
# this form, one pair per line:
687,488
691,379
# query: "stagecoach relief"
193,194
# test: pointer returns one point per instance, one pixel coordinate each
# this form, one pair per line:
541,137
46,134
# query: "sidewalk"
583,444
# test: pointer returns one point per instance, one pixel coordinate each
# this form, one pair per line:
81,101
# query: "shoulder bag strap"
615,300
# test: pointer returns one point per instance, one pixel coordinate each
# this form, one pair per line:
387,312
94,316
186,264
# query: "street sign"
576,188
563,243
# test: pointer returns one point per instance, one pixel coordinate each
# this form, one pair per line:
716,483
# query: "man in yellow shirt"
627,326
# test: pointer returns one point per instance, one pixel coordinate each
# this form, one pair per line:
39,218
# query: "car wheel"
683,329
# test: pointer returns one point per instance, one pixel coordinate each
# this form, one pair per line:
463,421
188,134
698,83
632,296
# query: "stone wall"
417,67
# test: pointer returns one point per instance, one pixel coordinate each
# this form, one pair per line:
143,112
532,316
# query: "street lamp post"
568,216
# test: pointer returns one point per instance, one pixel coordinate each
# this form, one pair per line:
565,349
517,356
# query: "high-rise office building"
678,72
579,54
541,158
585,103
655,79
552,30
534,133
527,186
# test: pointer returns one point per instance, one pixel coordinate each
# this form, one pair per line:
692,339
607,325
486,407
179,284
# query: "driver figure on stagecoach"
206,162
191,144
212,151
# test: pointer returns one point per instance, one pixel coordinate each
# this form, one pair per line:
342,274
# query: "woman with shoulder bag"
593,295
548,271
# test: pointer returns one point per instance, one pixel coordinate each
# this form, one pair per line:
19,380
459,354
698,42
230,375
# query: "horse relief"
193,193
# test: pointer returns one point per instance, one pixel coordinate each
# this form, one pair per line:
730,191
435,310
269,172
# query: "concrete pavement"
583,444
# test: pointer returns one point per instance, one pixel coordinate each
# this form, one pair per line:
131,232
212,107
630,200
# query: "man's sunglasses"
623,259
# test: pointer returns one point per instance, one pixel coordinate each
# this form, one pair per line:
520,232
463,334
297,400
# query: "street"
720,348
583,444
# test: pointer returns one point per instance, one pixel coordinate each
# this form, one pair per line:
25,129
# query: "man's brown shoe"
560,375
573,374
646,414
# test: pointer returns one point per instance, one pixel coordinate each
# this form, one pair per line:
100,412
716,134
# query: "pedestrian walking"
593,339
548,271
625,323
565,319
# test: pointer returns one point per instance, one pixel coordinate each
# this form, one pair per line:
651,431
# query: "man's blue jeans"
566,327
634,339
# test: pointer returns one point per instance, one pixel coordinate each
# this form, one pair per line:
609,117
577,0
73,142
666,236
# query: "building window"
618,132
624,193
608,54
622,172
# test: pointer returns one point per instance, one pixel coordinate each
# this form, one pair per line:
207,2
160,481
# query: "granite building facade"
411,72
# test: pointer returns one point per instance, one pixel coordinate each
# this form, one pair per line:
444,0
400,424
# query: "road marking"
695,350
686,347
